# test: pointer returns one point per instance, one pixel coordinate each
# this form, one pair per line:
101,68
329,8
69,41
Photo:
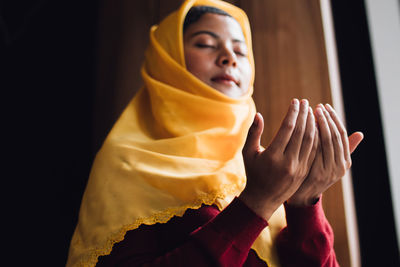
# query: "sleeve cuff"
237,225
302,220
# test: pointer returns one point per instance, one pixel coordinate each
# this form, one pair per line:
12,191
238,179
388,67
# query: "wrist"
303,201
259,205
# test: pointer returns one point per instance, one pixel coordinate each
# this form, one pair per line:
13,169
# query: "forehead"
224,26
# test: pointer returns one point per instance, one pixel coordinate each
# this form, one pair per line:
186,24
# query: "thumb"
253,140
354,140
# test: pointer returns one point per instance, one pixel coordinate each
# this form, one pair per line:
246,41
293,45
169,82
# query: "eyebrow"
216,36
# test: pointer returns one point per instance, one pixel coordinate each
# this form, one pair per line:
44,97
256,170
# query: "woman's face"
216,53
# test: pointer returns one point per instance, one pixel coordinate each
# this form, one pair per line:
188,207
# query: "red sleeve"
204,237
230,235
308,238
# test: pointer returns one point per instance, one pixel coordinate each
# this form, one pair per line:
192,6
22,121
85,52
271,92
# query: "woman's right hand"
275,173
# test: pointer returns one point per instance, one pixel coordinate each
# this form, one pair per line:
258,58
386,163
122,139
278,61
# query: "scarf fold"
176,146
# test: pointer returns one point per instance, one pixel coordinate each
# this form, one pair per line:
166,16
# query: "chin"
232,92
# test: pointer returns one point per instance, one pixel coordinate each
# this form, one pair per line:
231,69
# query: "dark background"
48,82
377,233
48,60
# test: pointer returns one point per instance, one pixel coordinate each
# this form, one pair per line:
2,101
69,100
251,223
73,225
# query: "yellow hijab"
176,146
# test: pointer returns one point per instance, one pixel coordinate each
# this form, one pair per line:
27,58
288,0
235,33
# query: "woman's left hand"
332,159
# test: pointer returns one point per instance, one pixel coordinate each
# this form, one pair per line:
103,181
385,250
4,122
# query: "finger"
284,133
354,140
325,136
252,144
308,137
337,142
316,148
295,142
342,130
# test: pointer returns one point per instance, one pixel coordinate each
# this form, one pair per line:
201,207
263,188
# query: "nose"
227,58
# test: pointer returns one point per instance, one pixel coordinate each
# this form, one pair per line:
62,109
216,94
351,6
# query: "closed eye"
204,46
240,53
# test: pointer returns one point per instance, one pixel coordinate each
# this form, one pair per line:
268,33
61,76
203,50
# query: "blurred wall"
384,26
360,84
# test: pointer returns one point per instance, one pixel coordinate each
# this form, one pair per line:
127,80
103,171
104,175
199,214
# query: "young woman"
182,180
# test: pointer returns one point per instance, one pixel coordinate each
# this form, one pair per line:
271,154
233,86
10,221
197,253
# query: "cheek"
246,73
197,63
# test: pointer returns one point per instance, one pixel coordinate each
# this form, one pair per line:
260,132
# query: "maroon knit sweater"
208,237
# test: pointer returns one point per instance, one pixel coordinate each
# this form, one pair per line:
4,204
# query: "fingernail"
295,101
329,107
319,111
255,121
304,102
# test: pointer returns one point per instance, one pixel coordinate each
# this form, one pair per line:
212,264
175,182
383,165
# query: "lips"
225,78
